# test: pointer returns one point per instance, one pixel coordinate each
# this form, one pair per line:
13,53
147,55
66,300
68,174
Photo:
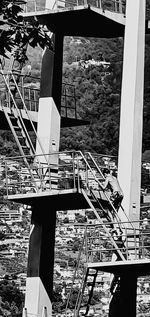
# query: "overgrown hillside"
98,94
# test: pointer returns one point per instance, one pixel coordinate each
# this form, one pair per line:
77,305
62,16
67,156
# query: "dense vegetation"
98,100
98,94
11,299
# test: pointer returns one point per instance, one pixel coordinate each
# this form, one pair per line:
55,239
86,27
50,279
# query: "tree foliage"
11,299
16,33
98,94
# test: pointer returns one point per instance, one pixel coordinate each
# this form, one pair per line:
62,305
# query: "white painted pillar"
48,132
48,129
36,298
131,120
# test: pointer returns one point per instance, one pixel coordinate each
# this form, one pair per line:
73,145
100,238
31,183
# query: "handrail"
71,157
77,267
27,112
99,183
24,87
105,192
118,6
20,117
103,225
23,125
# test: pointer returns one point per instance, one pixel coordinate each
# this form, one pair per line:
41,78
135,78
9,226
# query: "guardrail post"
120,6
100,4
6,174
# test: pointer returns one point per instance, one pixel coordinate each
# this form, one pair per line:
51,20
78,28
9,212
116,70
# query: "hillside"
97,92
99,95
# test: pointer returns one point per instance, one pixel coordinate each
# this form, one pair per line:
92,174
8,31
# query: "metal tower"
45,167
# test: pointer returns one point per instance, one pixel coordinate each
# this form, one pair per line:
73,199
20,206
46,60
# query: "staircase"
97,247
99,198
12,107
101,242
123,241
14,118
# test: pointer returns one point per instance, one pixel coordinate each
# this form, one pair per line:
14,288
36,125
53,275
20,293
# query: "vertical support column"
131,120
48,129
123,302
51,72
39,284
49,135
49,114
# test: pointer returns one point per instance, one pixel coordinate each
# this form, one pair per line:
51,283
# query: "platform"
67,199
74,21
65,122
136,267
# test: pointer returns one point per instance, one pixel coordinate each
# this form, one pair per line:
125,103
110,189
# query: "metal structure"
50,180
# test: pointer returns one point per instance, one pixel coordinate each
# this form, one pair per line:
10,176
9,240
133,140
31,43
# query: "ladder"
14,117
130,232
88,273
89,277
13,114
96,189
100,210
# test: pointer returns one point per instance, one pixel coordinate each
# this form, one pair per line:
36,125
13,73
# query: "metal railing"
68,101
117,6
59,170
134,243
29,91
32,6
96,245
67,170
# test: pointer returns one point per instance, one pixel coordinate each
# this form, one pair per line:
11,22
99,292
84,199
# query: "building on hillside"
10,214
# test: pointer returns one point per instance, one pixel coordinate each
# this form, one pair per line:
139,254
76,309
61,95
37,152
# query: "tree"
57,297
57,301
16,33
12,298
73,298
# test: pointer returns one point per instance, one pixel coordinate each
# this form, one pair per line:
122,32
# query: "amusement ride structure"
49,180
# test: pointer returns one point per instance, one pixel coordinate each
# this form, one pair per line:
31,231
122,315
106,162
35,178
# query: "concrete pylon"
131,119
39,283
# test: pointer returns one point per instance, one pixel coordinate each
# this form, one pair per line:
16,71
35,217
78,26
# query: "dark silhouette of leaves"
16,32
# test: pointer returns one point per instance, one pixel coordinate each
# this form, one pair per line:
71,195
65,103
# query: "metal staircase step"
16,127
12,117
